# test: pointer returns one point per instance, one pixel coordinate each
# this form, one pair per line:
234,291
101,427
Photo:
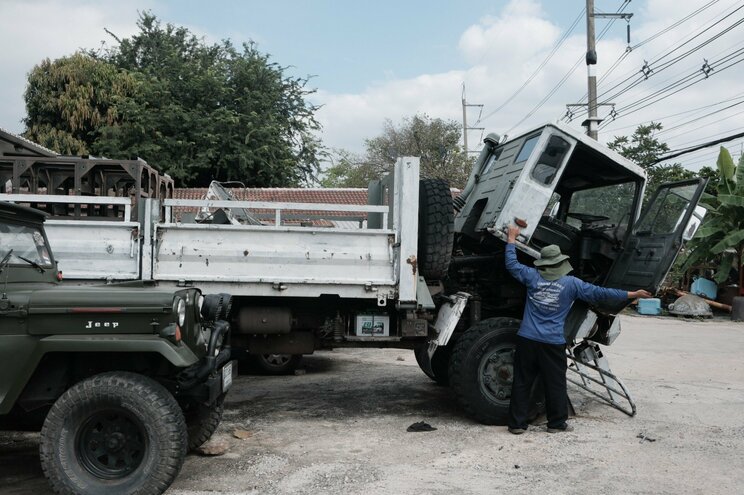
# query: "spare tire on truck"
436,228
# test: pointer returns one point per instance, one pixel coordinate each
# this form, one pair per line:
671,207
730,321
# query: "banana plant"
722,234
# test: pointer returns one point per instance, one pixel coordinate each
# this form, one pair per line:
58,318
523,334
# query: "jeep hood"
99,310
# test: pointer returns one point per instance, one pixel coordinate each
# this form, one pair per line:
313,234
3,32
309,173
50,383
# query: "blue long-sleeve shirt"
548,303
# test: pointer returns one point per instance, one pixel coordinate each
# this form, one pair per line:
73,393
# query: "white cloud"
512,38
498,54
502,51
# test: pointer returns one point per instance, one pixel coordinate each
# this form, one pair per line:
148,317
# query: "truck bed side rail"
102,246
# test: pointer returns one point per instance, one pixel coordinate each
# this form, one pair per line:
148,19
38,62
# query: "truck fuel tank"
265,320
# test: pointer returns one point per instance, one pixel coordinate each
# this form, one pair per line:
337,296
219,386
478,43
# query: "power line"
672,26
627,52
674,88
661,55
665,117
735,129
557,45
684,151
566,76
648,69
716,113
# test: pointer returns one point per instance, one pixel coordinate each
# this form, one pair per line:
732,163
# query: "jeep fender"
19,366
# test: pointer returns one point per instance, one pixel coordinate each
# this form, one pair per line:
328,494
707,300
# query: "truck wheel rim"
495,373
111,444
277,359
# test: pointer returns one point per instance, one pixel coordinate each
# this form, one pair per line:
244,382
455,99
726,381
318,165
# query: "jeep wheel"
202,421
482,368
439,363
114,433
436,228
276,364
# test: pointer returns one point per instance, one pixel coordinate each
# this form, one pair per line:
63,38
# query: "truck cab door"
656,237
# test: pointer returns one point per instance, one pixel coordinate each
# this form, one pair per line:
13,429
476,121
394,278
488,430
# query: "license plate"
227,376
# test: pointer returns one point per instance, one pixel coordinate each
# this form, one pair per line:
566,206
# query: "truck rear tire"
436,228
202,421
481,371
276,364
113,433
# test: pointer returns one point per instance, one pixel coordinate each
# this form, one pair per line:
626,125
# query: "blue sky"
388,60
347,45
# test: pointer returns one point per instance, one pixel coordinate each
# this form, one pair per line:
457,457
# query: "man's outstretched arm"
595,294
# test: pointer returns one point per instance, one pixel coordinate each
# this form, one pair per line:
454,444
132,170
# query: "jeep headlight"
179,306
199,303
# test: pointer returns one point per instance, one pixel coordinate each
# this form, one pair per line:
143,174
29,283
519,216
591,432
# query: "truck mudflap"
595,377
447,319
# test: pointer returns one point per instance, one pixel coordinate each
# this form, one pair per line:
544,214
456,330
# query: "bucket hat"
552,264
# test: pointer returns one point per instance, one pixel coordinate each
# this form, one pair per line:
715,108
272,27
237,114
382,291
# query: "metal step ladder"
595,376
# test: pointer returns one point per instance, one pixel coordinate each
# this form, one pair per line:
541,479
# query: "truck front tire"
482,368
113,433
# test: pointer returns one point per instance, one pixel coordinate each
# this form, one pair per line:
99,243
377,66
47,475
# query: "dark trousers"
548,361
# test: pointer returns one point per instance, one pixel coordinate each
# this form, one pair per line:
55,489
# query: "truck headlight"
180,309
199,303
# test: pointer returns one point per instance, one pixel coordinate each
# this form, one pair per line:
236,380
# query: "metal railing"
277,208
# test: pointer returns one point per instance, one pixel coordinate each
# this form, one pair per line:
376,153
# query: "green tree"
722,233
347,170
70,99
644,148
435,141
198,111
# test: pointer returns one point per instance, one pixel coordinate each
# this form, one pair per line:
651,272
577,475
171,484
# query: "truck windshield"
606,205
26,242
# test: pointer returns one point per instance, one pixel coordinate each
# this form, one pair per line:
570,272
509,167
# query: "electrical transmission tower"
465,127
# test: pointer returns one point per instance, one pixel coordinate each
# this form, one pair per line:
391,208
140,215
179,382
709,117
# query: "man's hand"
639,294
512,233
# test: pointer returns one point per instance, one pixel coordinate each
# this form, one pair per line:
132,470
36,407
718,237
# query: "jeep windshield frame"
28,243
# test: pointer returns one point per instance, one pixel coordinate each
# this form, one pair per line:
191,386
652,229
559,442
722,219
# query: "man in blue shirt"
541,345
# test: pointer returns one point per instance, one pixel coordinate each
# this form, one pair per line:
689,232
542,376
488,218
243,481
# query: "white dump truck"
412,269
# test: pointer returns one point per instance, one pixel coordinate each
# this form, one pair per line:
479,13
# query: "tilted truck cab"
587,199
121,380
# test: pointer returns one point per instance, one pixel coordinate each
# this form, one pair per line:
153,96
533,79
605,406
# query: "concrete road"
341,428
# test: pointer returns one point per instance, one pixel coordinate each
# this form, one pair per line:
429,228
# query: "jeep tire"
482,368
436,228
202,420
113,433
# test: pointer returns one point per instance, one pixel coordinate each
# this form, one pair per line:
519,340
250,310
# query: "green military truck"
122,379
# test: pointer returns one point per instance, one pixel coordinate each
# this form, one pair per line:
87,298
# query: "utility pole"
465,127
592,121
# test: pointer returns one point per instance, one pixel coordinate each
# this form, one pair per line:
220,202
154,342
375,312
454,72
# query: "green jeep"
122,380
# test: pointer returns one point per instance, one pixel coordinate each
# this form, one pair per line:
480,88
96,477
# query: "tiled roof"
343,196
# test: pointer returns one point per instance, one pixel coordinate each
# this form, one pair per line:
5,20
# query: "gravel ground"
340,428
